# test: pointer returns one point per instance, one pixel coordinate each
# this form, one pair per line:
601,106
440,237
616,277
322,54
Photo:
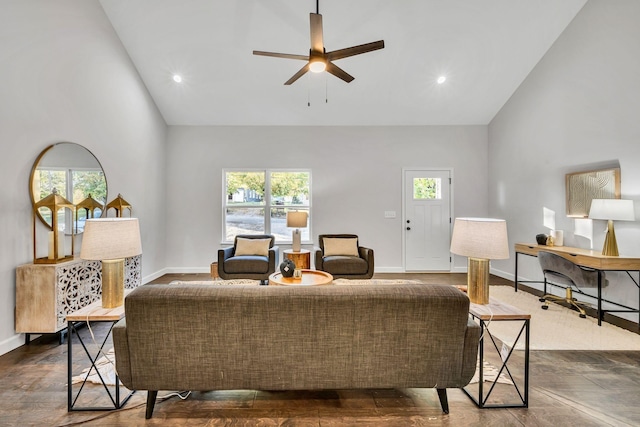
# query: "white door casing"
427,220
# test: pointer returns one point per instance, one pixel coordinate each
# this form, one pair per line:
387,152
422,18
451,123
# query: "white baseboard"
503,274
12,343
154,276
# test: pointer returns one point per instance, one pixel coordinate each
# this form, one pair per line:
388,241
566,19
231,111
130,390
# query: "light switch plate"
389,214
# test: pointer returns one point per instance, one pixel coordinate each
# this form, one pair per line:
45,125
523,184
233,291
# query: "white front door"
427,220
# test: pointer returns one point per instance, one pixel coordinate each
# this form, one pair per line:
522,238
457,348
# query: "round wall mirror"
76,174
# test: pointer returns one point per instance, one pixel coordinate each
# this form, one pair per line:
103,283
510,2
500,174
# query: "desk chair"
561,272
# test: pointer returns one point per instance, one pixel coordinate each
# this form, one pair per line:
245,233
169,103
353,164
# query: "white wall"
356,174
67,77
579,109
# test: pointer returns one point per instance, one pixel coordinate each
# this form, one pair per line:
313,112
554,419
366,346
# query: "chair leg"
575,303
444,402
568,298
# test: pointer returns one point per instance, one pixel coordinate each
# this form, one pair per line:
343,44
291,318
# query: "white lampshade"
111,238
484,238
297,219
612,209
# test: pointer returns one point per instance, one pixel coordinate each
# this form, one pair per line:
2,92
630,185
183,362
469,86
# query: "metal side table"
93,313
497,311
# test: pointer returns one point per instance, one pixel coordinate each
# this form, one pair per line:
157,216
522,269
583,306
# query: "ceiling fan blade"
297,75
339,72
317,43
355,50
281,55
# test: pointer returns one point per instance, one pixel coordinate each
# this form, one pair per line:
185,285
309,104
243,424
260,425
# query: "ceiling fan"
319,59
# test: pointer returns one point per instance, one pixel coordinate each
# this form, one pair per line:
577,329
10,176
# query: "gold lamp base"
478,280
610,247
112,283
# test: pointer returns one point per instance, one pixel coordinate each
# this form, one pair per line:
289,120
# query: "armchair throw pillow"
340,246
252,247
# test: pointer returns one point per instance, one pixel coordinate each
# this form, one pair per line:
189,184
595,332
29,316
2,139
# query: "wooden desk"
497,311
590,259
92,313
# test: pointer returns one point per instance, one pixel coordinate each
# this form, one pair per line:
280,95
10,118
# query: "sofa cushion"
340,246
253,264
339,264
252,247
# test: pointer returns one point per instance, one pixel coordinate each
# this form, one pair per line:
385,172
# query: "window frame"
70,221
267,202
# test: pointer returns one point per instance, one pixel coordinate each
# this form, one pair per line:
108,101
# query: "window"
257,202
427,188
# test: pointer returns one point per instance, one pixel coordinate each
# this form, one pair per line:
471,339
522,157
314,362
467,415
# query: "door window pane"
427,188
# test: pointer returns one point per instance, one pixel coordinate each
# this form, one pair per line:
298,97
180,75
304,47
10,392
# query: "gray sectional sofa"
209,337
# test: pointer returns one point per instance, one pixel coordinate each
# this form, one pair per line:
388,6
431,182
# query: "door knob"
408,228
408,221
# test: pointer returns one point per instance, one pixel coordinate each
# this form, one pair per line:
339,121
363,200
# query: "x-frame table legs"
71,400
523,394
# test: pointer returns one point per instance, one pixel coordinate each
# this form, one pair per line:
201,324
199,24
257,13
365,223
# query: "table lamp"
481,240
297,220
611,210
111,240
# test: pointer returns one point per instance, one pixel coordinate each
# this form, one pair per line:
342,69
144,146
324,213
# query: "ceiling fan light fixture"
317,66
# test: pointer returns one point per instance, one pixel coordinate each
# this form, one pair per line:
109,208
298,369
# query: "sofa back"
208,337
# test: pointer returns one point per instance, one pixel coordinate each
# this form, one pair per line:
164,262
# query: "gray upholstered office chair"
563,273
342,256
250,257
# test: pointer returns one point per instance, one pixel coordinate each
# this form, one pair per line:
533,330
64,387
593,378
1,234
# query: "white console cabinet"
46,293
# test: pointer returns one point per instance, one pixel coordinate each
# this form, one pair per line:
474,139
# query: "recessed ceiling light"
177,78
441,80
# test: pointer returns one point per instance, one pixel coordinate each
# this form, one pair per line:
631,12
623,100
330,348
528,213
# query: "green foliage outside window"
293,186
89,182
425,188
253,181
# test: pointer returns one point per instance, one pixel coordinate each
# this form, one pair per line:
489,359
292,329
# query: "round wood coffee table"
309,278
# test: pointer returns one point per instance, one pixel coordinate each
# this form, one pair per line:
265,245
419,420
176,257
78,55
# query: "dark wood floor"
568,388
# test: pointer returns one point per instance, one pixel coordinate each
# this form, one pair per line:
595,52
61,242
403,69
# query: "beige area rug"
335,282
558,328
106,366
489,374
216,282
374,282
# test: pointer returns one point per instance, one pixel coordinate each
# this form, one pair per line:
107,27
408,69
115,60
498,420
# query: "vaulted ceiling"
484,48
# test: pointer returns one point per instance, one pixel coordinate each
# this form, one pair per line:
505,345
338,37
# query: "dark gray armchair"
250,257
354,262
